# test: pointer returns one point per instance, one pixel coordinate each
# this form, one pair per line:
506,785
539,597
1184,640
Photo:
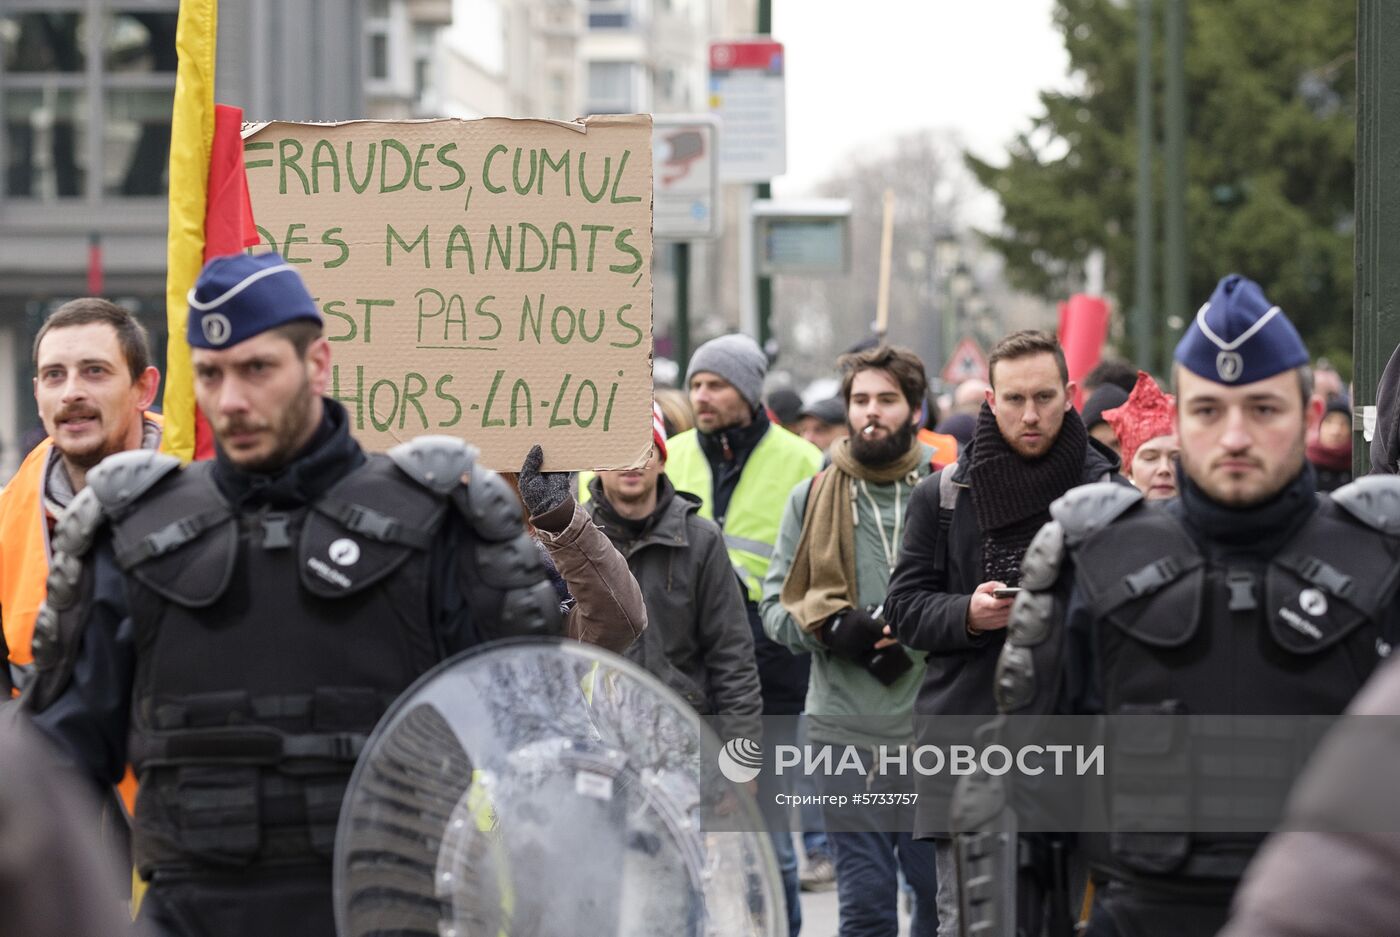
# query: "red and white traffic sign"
747,93
967,363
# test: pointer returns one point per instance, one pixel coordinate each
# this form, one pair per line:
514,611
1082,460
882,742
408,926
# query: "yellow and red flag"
210,212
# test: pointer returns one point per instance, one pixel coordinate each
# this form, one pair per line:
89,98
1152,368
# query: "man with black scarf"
236,628
968,527
1248,595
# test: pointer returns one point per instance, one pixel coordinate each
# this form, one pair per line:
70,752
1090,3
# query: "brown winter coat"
608,608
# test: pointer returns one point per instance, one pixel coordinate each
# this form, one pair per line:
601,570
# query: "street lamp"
960,287
960,283
946,256
946,250
976,309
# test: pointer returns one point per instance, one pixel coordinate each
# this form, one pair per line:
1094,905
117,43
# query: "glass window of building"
85,98
425,65
43,42
612,87
379,56
379,36
612,14
559,96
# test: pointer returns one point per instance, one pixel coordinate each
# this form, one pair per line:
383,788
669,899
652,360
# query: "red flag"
1083,329
94,269
228,217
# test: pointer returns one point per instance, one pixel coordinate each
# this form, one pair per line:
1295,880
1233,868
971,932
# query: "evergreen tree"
1271,104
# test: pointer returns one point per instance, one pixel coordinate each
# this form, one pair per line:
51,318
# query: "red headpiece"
1149,413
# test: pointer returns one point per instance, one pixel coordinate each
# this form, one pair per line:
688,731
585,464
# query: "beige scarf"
822,580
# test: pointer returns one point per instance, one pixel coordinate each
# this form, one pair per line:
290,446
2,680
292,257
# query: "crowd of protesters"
839,558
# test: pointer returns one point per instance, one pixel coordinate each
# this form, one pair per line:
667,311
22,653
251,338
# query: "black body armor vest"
1178,632
269,644
1297,634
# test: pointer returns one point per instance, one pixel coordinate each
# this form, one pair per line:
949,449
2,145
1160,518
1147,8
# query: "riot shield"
539,788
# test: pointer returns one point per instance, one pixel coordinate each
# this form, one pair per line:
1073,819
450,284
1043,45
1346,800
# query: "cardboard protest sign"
485,279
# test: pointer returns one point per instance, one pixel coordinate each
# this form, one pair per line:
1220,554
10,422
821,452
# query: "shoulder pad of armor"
73,533
527,611
1373,500
57,633
435,462
979,799
490,505
1040,566
53,658
120,479
1090,508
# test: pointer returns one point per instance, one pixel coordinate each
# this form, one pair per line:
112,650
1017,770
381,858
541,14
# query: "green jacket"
839,687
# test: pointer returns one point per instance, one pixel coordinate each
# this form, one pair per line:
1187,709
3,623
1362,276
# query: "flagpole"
191,140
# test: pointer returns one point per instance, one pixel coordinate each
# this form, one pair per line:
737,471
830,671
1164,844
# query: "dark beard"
883,451
290,433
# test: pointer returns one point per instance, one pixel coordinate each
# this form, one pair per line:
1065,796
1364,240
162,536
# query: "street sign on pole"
746,91
966,364
807,236
685,167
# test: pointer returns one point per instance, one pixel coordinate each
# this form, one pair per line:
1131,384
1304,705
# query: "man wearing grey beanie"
742,466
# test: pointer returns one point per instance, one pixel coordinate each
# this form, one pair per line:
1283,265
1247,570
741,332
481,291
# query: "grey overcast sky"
862,71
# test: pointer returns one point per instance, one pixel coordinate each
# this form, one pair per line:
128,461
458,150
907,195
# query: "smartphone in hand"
1009,592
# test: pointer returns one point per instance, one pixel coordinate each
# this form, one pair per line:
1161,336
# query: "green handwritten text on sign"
486,279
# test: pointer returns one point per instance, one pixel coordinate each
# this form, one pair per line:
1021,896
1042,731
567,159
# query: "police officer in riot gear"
235,628
1248,595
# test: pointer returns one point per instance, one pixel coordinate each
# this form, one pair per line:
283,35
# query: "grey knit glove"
542,492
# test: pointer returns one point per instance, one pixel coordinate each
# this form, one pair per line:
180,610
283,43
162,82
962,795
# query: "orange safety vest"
24,552
24,564
945,447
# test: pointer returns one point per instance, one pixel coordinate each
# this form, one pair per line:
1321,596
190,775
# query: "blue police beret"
242,295
1239,337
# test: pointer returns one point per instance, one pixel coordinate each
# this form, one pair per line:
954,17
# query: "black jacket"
1385,439
698,641
927,609
927,605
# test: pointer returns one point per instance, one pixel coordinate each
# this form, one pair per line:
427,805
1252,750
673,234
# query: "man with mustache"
839,542
1249,594
236,628
93,383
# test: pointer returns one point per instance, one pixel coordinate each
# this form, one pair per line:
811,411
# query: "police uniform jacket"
1189,607
237,636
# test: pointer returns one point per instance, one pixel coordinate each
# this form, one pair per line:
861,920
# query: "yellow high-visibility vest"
779,461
